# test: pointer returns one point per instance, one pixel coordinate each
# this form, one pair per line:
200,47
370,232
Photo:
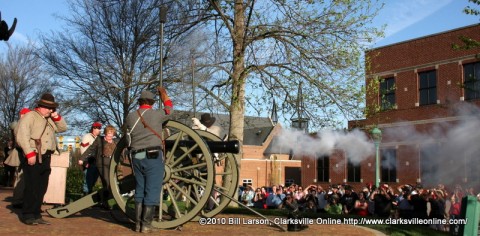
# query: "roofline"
426,36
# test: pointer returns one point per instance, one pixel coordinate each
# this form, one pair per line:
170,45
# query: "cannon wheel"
226,172
187,184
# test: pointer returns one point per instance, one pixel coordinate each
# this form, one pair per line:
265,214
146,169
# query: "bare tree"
106,56
269,47
22,80
110,52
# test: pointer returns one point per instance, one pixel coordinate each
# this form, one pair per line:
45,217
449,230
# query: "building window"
353,171
247,182
387,93
471,73
323,167
428,87
430,165
389,165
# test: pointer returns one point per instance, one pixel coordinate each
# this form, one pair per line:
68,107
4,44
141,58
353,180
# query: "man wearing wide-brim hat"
206,123
36,137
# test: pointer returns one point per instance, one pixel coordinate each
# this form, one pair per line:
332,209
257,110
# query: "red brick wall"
421,51
404,61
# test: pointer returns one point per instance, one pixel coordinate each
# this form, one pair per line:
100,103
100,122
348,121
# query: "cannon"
194,178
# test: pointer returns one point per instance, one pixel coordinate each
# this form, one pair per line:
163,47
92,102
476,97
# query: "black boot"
147,218
138,216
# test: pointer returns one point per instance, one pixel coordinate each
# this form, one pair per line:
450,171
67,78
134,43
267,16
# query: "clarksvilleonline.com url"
326,221
367,221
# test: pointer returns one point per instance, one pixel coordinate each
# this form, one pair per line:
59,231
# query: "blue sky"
405,19
409,19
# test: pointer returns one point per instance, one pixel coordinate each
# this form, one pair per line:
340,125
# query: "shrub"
74,181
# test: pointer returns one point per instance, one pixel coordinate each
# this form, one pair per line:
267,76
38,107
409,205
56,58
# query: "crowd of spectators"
406,201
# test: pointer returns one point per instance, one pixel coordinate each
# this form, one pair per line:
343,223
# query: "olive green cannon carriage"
197,182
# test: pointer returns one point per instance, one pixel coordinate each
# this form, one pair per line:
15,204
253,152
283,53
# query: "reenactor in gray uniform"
36,136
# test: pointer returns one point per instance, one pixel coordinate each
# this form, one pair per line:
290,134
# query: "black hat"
207,120
47,100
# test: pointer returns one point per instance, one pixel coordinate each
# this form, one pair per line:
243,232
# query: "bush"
74,181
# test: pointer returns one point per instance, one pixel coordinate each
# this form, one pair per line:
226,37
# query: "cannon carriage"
197,183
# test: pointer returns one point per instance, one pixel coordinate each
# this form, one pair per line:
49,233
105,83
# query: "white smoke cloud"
448,149
355,144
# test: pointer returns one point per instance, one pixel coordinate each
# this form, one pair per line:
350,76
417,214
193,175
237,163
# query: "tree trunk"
237,107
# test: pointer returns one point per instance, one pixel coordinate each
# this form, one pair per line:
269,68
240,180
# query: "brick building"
424,97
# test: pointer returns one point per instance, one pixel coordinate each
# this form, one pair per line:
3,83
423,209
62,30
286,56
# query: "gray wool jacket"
142,137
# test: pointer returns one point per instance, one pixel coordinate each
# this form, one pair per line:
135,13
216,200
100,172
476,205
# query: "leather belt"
146,149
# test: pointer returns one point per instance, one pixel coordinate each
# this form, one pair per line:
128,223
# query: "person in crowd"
259,199
405,208
437,204
293,213
469,191
274,201
265,194
144,128
102,150
248,195
298,194
90,172
322,199
334,206
36,136
382,202
455,210
361,205
290,190
311,197
419,199
366,191
19,186
348,200
240,190
8,171
333,191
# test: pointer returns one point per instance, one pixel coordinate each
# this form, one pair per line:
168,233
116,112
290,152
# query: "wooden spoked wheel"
226,179
187,184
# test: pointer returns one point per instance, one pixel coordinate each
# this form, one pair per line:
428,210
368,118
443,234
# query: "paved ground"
96,221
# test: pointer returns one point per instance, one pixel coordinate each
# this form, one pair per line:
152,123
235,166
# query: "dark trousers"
9,175
36,183
90,178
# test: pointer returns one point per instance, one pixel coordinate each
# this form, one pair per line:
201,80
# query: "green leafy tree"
469,43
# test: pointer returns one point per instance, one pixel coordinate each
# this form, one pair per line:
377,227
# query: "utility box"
57,182
470,212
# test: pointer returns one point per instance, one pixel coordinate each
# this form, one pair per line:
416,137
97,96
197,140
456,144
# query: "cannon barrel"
214,146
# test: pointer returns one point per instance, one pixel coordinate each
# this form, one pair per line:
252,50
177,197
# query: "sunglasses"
97,127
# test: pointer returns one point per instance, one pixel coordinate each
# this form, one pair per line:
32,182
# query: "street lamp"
377,138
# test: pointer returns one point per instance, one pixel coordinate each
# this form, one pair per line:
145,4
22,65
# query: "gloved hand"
163,93
197,123
167,103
